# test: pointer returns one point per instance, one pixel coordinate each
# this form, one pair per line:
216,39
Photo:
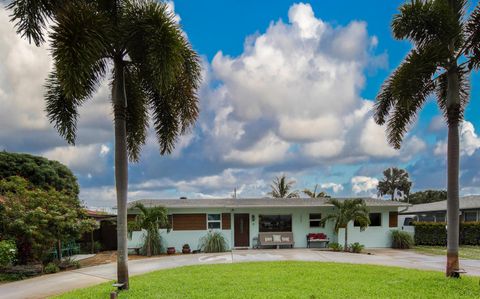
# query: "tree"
39,171
314,194
345,211
151,220
446,47
154,69
426,196
282,189
39,219
395,182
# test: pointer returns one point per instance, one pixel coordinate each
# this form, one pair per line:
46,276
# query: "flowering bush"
8,251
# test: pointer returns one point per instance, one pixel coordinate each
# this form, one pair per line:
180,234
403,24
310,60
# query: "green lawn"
466,252
289,280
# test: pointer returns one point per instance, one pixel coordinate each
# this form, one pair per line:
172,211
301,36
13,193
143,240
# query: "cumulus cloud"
363,184
332,186
469,141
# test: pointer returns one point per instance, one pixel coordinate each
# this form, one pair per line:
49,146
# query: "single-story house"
241,220
437,211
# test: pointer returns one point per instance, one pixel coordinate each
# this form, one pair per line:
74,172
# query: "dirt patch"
106,257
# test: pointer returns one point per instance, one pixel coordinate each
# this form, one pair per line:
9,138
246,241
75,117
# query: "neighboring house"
437,211
241,220
105,234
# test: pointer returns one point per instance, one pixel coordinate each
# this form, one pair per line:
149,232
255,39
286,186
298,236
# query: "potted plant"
171,250
186,248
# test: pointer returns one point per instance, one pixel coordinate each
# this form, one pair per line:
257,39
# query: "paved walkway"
48,285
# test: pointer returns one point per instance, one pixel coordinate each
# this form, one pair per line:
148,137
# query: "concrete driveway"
52,284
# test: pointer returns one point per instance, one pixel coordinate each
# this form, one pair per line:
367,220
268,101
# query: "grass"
466,252
289,280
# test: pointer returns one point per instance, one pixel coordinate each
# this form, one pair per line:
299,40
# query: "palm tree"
151,220
154,69
282,189
314,194
395,182
446,47
345,211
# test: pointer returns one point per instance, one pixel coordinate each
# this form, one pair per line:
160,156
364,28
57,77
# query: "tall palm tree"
345,211
446,47
281,188
395,182
151,220
314,193
154,69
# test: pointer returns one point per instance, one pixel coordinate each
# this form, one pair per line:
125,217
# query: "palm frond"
137,112
31,17
62,111
404,93
472,30
80,41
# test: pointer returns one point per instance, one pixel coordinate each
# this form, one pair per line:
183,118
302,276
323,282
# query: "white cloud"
363,184
333,186
469,141
83,159
294,88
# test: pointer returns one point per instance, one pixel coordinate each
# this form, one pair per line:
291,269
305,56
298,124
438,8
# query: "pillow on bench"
268,239
277,238
285,239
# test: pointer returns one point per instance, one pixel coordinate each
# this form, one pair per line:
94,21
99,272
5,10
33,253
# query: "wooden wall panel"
393,219
226,221
189,221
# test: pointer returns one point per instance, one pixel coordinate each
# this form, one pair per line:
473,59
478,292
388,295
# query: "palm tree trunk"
346,238
453,161
121,170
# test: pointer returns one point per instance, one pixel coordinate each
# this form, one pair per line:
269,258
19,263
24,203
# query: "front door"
242,230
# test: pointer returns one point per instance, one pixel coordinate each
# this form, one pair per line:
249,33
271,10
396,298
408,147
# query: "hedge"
435,233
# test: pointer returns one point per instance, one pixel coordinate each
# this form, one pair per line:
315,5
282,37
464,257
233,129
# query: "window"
275,223
470,216
214,221
427,218
315,220
375,219
440,217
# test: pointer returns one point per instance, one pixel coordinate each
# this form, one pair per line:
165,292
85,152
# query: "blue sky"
288,89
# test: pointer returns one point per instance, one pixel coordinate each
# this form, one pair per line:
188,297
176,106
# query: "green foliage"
395,182
150,220
426,196
430,233
36,219
401,239
281,188
335,246
68,263
213,242
39,171
470,233
315,194
356,247
51,268
8,252
289,279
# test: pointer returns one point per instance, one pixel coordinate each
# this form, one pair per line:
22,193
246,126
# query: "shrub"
68,263
401,240
335,246
356,247
51,268
430,233
470,233
213,242
8,251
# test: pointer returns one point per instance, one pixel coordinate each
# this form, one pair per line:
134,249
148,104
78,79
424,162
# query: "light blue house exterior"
241,220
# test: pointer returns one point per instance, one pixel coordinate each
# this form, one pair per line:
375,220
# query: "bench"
320,238
135,248
276,239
